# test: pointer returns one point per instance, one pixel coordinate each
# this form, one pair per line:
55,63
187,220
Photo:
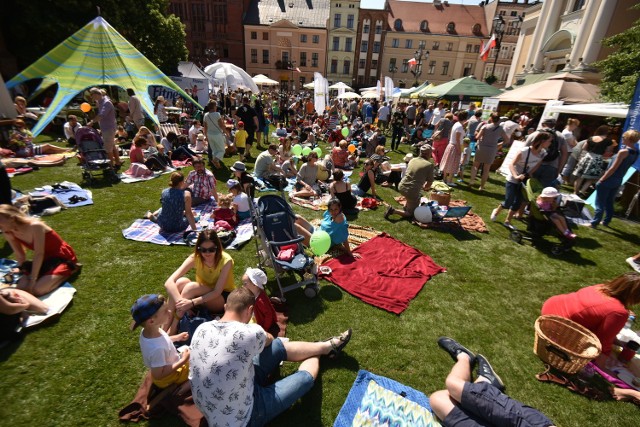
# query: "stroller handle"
287,242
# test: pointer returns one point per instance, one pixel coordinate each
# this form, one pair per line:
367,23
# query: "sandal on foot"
342,339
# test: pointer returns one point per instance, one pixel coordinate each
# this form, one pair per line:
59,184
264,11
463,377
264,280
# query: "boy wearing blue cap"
158,352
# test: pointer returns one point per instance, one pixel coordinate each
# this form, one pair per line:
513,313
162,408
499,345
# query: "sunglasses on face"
204,250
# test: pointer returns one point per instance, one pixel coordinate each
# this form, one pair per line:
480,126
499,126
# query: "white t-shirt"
71,132
158,352
531,162
383,113
242,200
509,127
222,372
193,133
457,133
570,138
438,114
166,144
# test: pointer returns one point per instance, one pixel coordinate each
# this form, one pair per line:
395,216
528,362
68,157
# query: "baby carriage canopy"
275,223
93,157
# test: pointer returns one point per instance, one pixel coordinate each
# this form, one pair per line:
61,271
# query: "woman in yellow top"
214,277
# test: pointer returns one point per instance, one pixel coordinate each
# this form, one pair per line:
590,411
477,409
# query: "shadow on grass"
303,309
623,235
330,293
485,193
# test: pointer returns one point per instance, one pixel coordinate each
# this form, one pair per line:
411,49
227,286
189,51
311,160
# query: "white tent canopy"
349,95
262,80
311,85
191,70
340,85
231,76
599,109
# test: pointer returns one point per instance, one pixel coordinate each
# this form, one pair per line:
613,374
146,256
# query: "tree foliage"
620,70
32,28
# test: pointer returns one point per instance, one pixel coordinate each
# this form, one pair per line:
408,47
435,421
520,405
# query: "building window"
372,80
476,29
348,44
408,44
397,24
303,59
303,38
468,69
339,5
285,59
315,39
392,65
336,43
405,66
254,35
378,28
395,43
445,68
350,22
376,47
579,4
365,29
432,67
374,64
451,27
265,56
334,66
424,26
514,13
362,63
314,60
476,48
360,80
469,48
436,46
364,46
265,36
336,20
352,6
449,46
346,67
254,56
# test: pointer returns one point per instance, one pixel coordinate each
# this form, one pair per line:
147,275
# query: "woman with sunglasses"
214,277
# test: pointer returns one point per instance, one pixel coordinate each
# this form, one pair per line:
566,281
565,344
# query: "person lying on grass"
159,354
214,277
53,259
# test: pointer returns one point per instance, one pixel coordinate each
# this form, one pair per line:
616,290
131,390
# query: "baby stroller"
274,222
538,225
93,156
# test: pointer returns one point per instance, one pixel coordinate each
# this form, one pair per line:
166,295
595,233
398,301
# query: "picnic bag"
277,181
369,203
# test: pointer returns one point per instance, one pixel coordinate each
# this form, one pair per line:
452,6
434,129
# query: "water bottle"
630,321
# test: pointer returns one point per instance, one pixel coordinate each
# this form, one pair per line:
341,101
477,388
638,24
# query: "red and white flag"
486,48
412,62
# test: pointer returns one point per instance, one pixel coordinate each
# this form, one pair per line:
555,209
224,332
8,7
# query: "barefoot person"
53,259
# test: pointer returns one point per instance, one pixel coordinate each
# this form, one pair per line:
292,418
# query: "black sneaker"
388,212
454,348
486,371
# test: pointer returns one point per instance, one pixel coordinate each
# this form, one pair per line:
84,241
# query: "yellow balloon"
85,107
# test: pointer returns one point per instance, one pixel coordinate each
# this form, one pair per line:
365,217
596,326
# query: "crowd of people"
238,351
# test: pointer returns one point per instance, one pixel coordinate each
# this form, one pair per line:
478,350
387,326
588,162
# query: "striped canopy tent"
95,55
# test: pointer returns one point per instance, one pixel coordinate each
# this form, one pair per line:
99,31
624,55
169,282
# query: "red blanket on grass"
388,275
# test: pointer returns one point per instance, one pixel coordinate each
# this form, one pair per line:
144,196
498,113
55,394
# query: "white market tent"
262,80
191,70
610,109
340,85
349,95
230,76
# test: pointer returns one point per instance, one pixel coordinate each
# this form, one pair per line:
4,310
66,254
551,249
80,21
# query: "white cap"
257,277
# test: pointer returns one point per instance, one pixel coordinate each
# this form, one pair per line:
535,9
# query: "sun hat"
257,277
550,192
238,167
407,158
200,137
145,307
232,183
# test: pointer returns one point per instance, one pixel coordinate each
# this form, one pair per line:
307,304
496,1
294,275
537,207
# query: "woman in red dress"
53,259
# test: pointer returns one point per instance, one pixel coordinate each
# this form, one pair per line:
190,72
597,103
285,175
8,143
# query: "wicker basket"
443,199
564,344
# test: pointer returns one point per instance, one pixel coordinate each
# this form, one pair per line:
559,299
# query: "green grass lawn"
83,368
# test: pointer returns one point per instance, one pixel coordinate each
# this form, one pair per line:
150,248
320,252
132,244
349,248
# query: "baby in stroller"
547,202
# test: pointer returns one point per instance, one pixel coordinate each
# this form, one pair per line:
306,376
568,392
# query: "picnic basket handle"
555,350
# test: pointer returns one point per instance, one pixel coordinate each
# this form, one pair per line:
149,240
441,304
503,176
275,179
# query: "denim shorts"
512,196
271,400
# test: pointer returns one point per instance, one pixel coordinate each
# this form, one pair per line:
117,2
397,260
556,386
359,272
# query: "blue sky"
378,4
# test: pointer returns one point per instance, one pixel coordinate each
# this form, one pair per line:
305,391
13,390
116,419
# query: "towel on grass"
378,401
11,172
57,301
388,274
262,185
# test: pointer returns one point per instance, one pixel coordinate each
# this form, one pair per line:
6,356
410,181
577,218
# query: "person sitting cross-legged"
479,403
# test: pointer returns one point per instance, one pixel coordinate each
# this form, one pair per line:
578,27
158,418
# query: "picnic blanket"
320,203
388,274
57,301
470,222
262,185
125,178
68,193
378,401
144,230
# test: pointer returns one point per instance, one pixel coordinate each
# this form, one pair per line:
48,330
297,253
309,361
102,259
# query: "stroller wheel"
516,236
311,291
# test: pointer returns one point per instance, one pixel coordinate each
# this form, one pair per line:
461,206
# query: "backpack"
554,149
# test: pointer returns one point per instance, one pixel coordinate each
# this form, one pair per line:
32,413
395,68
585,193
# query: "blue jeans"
271,400
605,196
512,196
396,136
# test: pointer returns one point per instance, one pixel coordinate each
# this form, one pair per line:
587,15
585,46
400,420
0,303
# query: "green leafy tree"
32,28
620,70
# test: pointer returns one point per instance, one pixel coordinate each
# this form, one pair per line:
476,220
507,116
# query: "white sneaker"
633,264
494,215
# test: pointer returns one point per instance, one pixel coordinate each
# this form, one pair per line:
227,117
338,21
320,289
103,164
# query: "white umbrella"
349,95
262,80
340,85
234,77
370,94
311,85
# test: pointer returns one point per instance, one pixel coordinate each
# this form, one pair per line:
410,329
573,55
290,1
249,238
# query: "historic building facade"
341,40
372,29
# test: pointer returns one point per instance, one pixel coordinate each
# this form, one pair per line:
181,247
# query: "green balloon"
306,151
344,118
320,242
318,151
296,149
345,132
